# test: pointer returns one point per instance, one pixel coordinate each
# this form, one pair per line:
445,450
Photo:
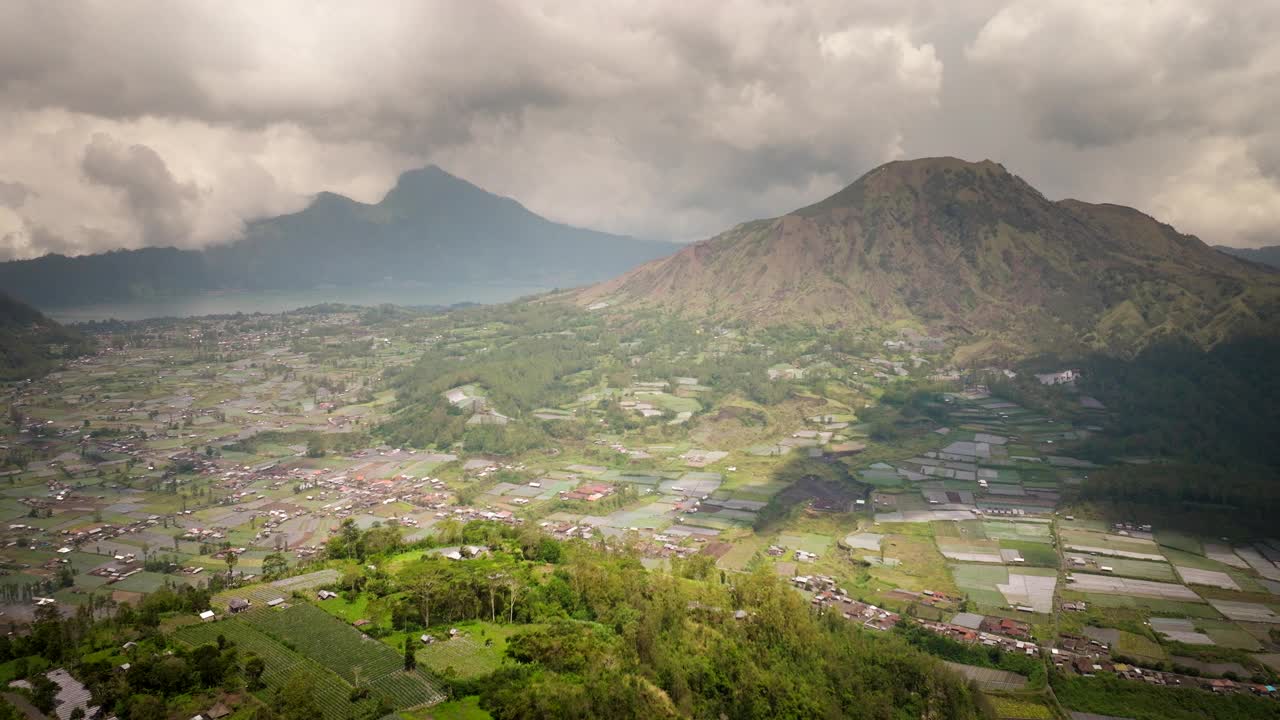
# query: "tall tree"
410,659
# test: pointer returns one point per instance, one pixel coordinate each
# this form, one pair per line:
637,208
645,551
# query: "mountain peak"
433,187
964,248
327,198
935,176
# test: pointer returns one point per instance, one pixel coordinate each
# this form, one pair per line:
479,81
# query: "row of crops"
347,652
332,694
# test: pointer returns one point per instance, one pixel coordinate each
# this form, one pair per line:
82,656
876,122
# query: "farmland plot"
1245,611
1035,591
467,658
1212,578
331,692
1086,582
348,652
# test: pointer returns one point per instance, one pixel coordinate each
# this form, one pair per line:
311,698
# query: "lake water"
224,303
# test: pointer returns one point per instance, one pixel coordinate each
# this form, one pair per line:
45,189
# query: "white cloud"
668,119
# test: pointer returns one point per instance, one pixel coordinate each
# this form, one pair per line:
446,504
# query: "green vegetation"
1175,400
281,665
1035,554
1112,696
633,562
32,344
980,249
357,659
966,654
1012,708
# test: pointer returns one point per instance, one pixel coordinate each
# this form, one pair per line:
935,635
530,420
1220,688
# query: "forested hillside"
30,343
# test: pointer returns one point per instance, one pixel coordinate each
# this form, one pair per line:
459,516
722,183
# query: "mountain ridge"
1267,255
969,249
430,227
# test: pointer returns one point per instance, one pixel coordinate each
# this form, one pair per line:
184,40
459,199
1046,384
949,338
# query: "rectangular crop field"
1155,605
1023,531
1141,569
1085,582
1036,554
465,657
1008,708
979,582
348,652
1140,648
989,678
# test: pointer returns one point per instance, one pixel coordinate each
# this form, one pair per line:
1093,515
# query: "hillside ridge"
968,249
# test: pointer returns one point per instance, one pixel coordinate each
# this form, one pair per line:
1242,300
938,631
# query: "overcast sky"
124,124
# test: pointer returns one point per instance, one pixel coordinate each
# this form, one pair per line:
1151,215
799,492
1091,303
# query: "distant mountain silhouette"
1269,255
431,227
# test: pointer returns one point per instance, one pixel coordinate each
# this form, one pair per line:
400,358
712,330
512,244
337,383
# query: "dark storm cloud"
160,205
663,119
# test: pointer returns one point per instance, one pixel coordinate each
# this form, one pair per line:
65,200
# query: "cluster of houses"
1090,657
634,454
121,567
830,598
1062,377
1005,626
590,492
665,546
961,633
567,530
105,531
465,552
465,514
887,367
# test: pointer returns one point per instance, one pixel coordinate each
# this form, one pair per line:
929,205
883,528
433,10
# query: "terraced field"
331,692
347,652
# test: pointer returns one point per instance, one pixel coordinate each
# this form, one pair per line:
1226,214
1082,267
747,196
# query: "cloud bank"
159,123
